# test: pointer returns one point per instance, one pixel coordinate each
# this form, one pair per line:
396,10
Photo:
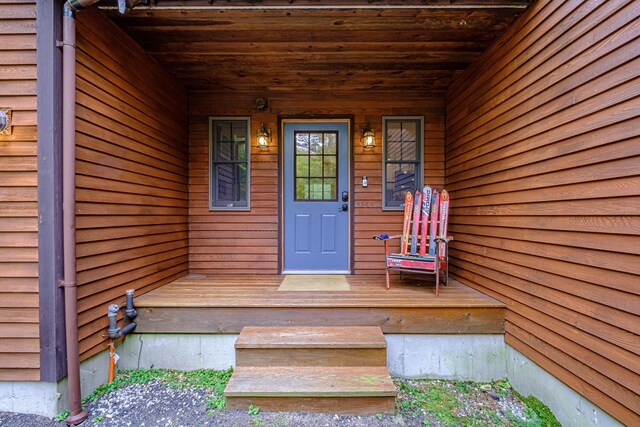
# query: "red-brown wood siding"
19,333
542,163
247,242
131,174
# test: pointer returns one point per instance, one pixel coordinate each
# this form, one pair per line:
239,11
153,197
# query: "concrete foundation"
467,357
29,397
50,398
462,357
178,351
570,407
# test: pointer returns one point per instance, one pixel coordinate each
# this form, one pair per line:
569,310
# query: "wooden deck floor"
225,304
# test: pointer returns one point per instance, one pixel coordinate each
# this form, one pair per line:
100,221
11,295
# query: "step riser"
339,370
311,357
333,405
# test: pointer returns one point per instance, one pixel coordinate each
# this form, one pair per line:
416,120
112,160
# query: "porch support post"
49,90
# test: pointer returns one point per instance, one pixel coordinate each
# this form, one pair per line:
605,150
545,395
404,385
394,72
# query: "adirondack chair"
424,244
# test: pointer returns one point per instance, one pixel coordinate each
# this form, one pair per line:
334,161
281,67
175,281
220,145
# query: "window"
402,159
229,163
316,160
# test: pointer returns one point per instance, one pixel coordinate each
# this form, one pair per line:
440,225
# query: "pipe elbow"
130,327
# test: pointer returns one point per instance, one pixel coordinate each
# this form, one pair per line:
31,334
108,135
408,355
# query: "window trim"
420,155
211,176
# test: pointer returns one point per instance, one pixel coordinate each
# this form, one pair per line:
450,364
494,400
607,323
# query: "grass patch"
466,403
544,414
209,379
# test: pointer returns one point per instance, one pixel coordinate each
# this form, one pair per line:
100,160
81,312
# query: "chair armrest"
385,237
445,240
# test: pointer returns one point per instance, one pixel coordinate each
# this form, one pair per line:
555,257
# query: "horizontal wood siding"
543,166
131,174
19,330
247,242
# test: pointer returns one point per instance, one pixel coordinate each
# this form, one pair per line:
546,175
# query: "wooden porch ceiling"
294,45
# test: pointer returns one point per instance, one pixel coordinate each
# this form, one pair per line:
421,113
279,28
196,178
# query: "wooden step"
311,346
340,390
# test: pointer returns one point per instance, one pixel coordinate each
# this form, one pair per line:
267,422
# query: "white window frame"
212,183
420,155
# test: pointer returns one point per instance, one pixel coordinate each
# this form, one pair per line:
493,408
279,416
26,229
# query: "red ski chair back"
424,244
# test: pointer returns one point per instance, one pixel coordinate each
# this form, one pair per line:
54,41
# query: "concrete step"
311,346
341,390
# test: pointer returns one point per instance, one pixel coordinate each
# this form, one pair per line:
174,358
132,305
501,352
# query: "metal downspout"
76,413
70,283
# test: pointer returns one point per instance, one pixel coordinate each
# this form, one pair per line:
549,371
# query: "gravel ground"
420,403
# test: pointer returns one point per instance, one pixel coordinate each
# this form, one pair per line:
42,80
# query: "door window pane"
315,139
315,189
329,188
302,189
302,143
315,166
330,143
316,158
302,166
329,166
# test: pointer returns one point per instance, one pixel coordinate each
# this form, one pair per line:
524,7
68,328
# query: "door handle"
344,208
345,196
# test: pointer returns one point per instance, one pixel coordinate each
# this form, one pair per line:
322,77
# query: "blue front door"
316,197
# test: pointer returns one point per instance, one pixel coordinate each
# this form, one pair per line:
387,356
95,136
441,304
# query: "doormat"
314,282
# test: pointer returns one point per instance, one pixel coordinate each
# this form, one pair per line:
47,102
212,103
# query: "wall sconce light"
5,121
368,138
263,137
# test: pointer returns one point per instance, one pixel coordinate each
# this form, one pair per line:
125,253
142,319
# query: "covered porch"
523,140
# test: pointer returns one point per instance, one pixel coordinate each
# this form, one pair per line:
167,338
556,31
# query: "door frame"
282,120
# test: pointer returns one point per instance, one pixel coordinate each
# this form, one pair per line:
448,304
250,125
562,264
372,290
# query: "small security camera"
262,104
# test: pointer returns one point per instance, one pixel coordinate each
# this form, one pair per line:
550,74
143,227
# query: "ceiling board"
318,48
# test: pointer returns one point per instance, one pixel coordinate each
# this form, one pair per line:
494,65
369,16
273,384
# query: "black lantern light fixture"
263,138
368,137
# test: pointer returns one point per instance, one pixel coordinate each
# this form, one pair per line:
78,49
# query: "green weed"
502,386
218,402
545,416
442,402
97,419
201,378
61,416
253,410
463,386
